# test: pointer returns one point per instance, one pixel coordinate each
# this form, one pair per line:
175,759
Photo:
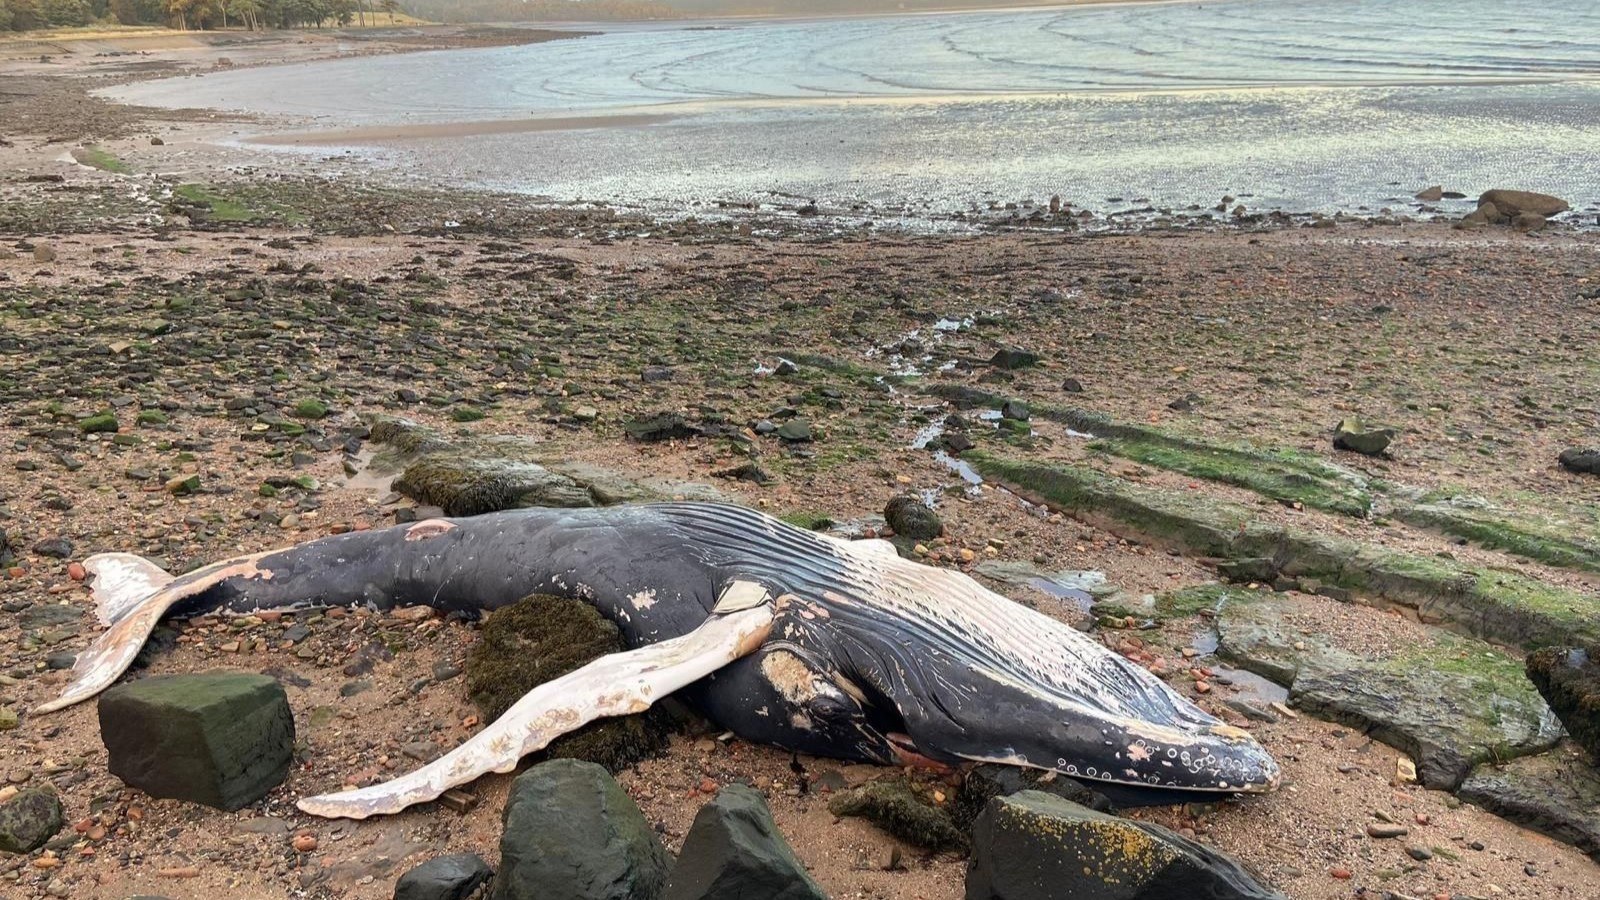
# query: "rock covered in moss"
571,831
29,819
1569,680
911,518
1354,435
540,638
1013,358
735,851
468,486
223,739
1033,846
898,807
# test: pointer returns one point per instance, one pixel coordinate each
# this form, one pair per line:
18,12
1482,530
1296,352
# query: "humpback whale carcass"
783,636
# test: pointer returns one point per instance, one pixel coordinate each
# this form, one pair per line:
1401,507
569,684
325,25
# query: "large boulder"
1575,460
540,638
735,851
1569,680
463,485
29,819
1013,358
453,877
223,739
571,831
1033,846
911,518
1515,203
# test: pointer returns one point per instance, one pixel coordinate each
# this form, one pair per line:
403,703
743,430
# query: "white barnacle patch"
643,599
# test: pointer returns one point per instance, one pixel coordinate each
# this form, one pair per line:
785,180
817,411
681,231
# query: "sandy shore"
274,287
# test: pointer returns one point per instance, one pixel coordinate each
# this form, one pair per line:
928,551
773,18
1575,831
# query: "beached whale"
783,636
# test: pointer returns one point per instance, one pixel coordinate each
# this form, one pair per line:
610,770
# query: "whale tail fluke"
121,582
131,594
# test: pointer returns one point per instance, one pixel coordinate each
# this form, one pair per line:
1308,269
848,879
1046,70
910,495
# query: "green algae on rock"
541,638
898,807
1569,679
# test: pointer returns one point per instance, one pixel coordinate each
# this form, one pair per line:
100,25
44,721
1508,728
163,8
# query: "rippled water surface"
1298,104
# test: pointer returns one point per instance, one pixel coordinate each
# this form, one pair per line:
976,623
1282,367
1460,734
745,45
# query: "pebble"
304,843
1419,853
1381,831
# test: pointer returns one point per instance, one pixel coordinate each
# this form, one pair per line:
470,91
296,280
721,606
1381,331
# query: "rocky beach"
1330,476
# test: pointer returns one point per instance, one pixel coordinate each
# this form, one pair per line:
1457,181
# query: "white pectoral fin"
615,685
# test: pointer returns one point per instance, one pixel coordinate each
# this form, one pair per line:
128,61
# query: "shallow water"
1292,104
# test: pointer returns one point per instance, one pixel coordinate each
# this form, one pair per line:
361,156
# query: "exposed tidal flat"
1288,105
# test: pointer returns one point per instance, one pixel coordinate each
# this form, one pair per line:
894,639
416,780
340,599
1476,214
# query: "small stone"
183,485
1352,435
29,819
911,518
1072,386
1419,853
1382,830
453,877
304,843
1013,358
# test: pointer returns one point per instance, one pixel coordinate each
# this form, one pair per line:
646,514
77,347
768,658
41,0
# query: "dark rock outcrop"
1013,358
452,877
1555,793
1569,680
1032,846
571,831
1581,462
29,819
735,851
911,518
540,638
223,739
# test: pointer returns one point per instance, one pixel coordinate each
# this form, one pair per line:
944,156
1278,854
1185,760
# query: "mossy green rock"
1352,435
541,638
1033,846
911,518
310,409
571,831
1569,680
222,739
468,486
899,808
100,423
1450,702
29,819
734,851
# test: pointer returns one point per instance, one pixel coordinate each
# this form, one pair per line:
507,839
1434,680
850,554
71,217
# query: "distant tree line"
539,10
26,15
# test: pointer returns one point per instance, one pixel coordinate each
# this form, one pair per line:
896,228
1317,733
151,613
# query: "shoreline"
236,313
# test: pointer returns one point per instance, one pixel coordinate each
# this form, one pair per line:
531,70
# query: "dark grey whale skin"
678,556
657,570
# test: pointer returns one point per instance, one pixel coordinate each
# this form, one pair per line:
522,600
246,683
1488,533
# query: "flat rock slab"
223,739
1034,846
571,831
29,819
735,851
1555,793
1451,702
